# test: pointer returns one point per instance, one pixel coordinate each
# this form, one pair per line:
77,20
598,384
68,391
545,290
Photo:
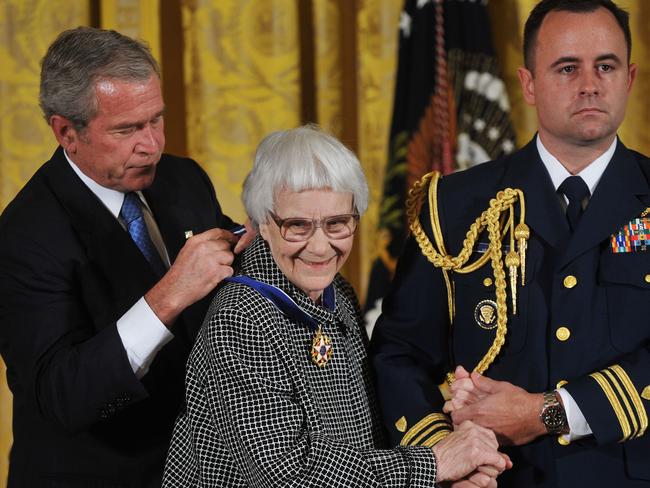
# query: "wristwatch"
553,415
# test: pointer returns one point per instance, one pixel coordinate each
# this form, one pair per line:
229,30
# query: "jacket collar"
544,215
617,200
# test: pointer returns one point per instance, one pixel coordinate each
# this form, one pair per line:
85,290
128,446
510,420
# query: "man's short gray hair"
305,158
81,57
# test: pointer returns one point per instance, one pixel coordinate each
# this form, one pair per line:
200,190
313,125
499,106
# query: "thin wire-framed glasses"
334,227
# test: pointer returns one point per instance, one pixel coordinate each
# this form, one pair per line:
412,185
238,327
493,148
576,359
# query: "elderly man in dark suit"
108,257
547,299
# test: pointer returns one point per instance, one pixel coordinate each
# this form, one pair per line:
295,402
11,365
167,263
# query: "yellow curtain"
377,50
327,33
26,30
134,18
375,25
242,82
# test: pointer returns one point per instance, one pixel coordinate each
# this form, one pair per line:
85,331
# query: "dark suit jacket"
606,313
68,272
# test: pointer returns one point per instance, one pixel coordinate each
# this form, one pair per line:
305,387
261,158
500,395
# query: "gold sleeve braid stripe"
624,399
634,396
428,431
626,404
616,405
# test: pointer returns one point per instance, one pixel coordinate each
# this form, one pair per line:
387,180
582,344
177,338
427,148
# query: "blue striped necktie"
132,216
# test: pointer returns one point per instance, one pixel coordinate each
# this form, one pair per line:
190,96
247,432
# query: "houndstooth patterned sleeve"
246,423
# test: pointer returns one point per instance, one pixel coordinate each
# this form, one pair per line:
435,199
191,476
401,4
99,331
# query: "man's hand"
511,412
203,262
470,452
463,391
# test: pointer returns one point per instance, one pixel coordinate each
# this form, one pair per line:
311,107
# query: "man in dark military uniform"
547,294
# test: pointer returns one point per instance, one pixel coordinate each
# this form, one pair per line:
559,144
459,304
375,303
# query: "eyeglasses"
335,227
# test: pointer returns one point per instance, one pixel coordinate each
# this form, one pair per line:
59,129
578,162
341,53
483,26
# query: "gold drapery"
240,78
242,82
135,18
26,30
377,48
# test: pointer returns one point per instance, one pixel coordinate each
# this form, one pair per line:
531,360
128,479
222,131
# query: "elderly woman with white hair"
278,388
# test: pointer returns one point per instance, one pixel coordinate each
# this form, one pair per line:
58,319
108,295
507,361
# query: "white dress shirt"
578,425
141,331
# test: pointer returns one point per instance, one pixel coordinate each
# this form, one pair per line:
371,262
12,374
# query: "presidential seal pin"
485,314
321,348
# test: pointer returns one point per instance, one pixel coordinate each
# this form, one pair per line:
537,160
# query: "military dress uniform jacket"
260,413
68,272
582,319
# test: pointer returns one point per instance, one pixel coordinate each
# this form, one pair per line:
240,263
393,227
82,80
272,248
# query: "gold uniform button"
562,441
647,278
570,281
560,384
562,333
488,282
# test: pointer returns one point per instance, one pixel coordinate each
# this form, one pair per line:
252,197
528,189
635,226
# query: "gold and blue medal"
321,348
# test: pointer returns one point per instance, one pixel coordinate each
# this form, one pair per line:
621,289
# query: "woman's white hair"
305,158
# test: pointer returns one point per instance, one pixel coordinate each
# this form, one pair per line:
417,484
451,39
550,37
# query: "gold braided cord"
491,220
437,235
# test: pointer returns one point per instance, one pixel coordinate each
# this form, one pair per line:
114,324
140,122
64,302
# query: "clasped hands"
509,411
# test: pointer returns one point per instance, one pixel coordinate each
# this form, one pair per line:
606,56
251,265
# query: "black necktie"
576,190
131,214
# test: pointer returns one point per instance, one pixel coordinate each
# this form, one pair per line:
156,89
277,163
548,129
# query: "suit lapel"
614,203
109,248
170,215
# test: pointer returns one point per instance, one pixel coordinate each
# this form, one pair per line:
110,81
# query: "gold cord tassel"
512,263
491,221
522,233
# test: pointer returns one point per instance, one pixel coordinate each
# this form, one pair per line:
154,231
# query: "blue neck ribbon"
284,303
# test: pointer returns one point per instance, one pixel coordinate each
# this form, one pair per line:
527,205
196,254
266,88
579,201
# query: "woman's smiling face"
312,264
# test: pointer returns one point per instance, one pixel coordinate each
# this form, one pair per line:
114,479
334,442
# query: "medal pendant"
321,348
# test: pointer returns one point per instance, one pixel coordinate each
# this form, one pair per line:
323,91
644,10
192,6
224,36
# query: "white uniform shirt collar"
112,199
591,174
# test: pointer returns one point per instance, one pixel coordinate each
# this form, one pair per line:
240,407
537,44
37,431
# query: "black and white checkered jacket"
260,413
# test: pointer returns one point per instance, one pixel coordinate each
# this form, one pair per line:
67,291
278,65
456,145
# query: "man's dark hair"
544,7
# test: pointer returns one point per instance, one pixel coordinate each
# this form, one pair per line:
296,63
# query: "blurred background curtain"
234,70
